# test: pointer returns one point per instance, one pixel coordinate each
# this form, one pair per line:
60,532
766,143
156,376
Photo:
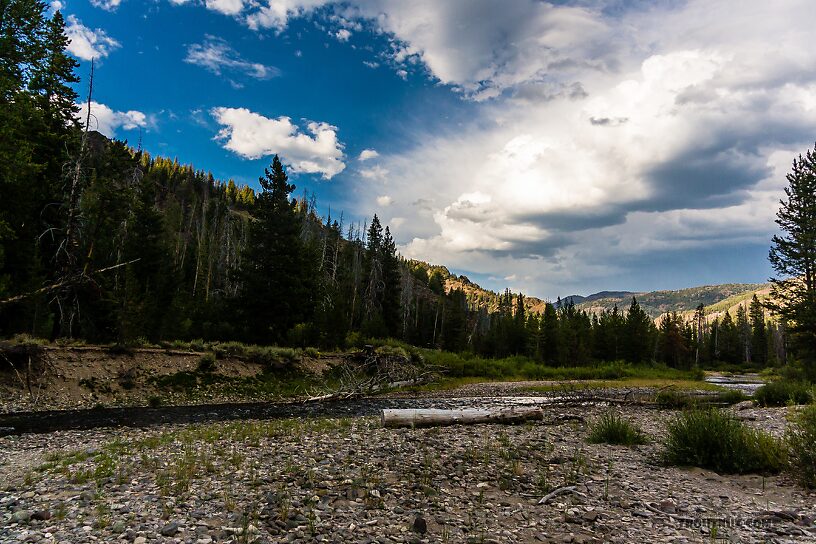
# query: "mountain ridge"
716,298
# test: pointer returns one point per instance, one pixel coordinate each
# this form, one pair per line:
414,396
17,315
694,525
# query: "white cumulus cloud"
108,121
86,43
367,154
251,135
227,7
108,5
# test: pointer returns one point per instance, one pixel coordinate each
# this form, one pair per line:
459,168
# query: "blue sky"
554,148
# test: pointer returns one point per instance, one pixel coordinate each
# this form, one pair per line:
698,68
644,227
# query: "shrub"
206,363
732,396
311,352
784,392
670,398
396,352
154,401
801,439
714,440
611,428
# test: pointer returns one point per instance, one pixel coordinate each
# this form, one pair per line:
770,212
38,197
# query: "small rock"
118,526
21,516
420,525
668,505
590,516
140,540
41,515
170,529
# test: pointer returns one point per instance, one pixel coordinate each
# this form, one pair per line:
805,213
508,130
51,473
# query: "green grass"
611,428
712,439
466,365
271,384
784,392
801,439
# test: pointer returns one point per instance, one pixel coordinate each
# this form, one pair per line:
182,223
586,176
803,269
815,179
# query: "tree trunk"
432,417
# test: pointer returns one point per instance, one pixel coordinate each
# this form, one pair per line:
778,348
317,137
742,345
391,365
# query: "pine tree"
638,334
673,348
273,293
793,256
392,284
549,335
759,337
728,341
744,334
51,78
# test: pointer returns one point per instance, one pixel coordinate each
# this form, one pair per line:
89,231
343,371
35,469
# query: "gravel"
349,480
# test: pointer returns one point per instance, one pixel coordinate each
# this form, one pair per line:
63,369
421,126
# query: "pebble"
357,482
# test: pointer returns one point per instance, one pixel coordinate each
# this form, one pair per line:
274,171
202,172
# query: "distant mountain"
578,299
717,299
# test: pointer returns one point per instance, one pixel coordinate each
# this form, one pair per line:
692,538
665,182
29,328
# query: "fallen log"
431,417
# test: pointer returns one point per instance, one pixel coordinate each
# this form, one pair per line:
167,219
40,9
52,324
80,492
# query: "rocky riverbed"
349,480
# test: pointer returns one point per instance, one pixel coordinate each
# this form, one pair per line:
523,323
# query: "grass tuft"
784,392
611,428
801,439
712,439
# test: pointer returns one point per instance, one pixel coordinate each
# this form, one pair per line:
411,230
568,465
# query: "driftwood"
556,492
431,417
368,372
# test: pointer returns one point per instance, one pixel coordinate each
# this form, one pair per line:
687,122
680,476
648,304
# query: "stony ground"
349,480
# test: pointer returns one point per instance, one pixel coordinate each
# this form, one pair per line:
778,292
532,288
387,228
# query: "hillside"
716,298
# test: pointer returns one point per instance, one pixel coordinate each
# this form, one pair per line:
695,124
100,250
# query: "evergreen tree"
673,346
549,335
147,291
728,341
744,334
638,334
793,256
273,290
759,337
392,283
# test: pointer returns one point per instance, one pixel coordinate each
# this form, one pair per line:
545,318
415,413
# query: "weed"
606,480
611,428
206,363
801,439
712,439
783,393
672,399
732,396
543,480
578,466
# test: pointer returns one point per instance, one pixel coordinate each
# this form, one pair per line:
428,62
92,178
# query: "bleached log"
432,417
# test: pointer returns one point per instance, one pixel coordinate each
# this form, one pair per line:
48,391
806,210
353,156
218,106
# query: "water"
747,383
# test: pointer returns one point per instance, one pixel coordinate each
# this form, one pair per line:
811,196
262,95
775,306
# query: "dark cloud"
583,219
608,121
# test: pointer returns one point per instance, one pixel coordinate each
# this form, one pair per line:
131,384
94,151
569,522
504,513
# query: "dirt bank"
65,377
